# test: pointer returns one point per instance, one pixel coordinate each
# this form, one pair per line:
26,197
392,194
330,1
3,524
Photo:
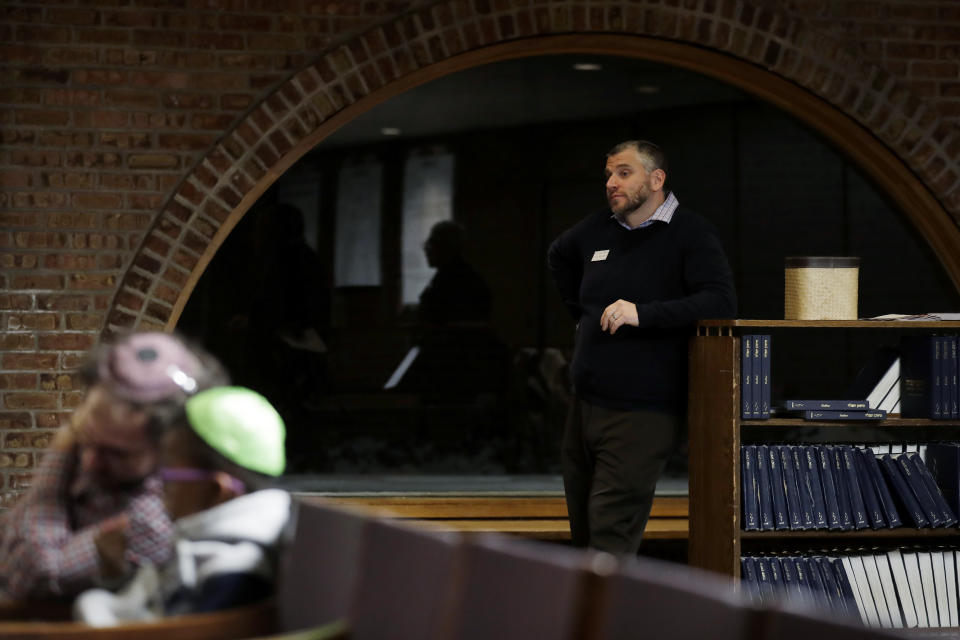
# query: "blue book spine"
756,378
749,489
887,502
949,517
919,490
749,581
953,377
765,581
901,491
816,489
830,587
825,405
830,494
746,376
778,489
873,414
870,499
917,373
765,354
816,585
843,582
763,483
943,461
936,396
792,490
857,506
776,575
804,485
843,489
789,572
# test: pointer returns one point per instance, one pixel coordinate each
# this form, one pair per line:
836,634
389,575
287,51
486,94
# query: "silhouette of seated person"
460,354
456,294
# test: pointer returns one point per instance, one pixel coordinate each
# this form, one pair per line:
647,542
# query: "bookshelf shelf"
717,431
901,532
889,422
920,325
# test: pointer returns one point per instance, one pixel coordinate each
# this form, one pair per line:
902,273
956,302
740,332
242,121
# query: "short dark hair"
651,155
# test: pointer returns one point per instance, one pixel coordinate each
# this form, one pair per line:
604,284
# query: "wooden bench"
536,517
243,622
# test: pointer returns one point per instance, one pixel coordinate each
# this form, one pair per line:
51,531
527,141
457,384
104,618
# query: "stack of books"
837,487
834,409
755,376
897,588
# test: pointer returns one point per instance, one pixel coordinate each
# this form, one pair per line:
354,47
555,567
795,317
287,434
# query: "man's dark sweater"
675,273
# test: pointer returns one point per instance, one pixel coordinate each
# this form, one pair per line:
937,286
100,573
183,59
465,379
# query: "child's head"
229,440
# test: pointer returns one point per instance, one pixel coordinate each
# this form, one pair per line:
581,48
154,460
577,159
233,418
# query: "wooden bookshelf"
716,432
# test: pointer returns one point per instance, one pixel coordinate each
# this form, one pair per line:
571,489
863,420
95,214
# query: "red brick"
83,322
92,281
31,400
19,381
29,361
65,302
33,322
17,342
70,262
73,220
45,117
97,200
74,17
103,36
36,281
153,161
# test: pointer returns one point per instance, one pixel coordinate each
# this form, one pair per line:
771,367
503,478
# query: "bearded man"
636,277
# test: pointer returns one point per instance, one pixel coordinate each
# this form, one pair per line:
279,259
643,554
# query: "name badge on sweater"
600,255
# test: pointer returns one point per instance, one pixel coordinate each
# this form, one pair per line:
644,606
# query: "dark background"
529,140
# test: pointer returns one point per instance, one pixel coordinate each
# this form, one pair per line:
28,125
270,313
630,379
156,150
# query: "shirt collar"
664,213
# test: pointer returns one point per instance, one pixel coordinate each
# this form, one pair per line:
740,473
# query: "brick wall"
132,129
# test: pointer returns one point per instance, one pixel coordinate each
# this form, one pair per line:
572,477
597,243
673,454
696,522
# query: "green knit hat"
241,425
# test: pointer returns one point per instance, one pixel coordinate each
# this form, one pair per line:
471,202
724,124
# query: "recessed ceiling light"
646,89
390,131
587,66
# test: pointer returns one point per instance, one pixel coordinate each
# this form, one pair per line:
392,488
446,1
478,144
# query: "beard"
628,205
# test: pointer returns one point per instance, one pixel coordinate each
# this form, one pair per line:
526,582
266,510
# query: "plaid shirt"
47,547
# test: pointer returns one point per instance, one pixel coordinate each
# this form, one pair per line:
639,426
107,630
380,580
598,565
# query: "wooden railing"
536,517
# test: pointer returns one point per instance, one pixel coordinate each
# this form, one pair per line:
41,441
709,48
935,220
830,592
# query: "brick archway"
859,107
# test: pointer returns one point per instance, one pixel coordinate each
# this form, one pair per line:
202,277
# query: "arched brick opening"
859,107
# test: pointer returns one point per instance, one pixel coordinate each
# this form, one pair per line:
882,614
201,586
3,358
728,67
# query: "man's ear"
657,179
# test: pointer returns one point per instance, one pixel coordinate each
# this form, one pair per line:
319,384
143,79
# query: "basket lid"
822,262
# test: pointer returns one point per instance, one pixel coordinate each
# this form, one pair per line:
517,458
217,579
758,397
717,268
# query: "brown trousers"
611,462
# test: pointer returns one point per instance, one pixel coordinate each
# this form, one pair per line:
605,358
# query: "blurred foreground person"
217,460
95,509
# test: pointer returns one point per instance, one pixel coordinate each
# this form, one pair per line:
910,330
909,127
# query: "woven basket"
821,288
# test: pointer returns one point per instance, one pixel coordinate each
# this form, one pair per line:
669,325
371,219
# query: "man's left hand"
618,314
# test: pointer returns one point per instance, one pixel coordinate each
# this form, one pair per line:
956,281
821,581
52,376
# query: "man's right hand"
111,543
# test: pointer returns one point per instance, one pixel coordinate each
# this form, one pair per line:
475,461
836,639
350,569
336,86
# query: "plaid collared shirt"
48,538
664,213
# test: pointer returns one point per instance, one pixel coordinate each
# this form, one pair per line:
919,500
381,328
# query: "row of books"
837,487
929,374
900,588
755,376
920,379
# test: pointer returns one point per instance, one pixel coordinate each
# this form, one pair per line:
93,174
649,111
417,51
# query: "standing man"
95,508
636,279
